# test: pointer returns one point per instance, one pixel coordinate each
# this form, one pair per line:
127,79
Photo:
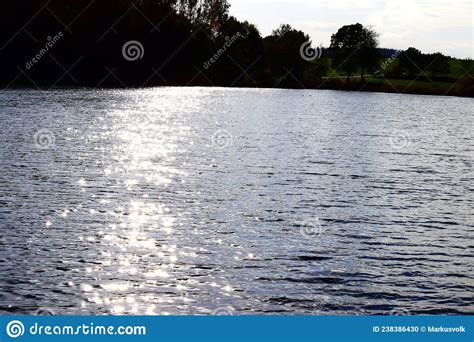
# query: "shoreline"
352,87
388,89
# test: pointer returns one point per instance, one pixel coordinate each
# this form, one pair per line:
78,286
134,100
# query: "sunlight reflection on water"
136,209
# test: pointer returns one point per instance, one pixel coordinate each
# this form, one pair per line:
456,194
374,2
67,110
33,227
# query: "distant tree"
238,47
315,71
467,66
176,42
411,61
355,46
437,63
283,30
207,14
283,58
393,72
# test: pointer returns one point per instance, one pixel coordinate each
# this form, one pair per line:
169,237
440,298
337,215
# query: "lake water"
235,201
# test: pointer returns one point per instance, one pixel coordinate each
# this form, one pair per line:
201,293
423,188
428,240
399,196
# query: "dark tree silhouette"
178,37
414,63
355,46
50,43
239,49
437,63
284,61
467,66
411,61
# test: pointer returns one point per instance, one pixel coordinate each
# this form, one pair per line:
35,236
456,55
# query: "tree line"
414,63
176,42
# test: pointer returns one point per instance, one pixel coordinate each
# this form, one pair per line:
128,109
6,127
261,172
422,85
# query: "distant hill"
387,53
384,52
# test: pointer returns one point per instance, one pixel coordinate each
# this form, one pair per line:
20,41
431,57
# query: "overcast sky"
429,25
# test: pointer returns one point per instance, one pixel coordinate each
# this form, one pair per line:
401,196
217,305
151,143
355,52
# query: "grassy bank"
456,82
463,87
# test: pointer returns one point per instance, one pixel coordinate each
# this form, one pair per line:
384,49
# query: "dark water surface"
191,200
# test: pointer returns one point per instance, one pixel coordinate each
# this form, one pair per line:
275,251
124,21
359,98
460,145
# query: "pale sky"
429,25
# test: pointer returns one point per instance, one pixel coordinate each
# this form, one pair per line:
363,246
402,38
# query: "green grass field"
442,84
456,71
